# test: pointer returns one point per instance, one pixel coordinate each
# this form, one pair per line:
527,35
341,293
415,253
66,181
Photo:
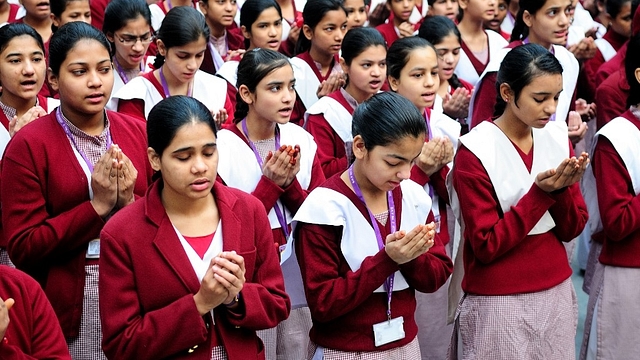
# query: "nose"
138,46
429,80
339,35
405,172
357,17
192,63
272,31
94,79
288,96
28,68
199,165
376,70
228,6
406,3
563,18
550,109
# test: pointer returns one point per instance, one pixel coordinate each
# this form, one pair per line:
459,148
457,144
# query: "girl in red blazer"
225,42
63,176
189,271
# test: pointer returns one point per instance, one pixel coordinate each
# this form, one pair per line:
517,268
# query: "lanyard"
67,131
122,73
165,86
279,213
388,284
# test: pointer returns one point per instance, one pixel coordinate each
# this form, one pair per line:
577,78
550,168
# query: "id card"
388,331
93,250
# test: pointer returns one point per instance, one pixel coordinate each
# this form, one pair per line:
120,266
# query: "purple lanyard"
279,213
121,72
388,284
67,131
165,86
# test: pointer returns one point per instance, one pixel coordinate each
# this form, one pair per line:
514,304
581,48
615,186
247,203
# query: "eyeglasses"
129,40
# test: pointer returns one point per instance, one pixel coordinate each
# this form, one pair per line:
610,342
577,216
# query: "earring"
506,99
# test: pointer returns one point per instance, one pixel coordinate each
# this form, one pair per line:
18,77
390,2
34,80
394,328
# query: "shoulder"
129,124
243,204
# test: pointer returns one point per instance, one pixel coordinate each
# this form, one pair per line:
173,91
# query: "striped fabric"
410,351
4,258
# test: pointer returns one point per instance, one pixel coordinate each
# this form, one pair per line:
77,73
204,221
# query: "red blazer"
34,332
611,97
388,32
97,12
235,41
46,211
147,283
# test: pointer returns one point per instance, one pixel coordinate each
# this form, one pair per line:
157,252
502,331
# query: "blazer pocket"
249,263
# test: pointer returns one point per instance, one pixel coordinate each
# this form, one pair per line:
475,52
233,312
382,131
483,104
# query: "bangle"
233,302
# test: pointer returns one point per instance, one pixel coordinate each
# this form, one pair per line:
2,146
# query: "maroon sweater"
34,332
342,302
611,97
619,205
500,258
46,211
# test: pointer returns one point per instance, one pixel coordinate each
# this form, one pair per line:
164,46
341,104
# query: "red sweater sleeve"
133,107
331,152
618,204
485,100
609,97
490,232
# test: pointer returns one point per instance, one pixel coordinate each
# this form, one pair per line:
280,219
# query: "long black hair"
314,11
181,26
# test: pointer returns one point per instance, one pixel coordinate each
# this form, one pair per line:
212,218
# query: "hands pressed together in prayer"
112,181
403,246
222,282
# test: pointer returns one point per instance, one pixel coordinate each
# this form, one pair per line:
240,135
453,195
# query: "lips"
274,43
375,84
201,184
428,97
285,112
336,47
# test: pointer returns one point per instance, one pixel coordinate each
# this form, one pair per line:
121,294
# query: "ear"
53,80
388,5
527,18
154,159
463,4
637,72
393,83
245,94
55,20
162,50
307,31
607,19
245,32
506,93
203,7
344,66
111,37
359,150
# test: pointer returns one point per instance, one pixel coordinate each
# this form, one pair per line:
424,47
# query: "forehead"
21,44
268,15
192,133
421,57
547,83
333,17
77,5
449,41
354,3
87,50
281,74
373,53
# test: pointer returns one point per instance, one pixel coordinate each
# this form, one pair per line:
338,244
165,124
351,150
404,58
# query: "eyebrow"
83,63
19,54
133,35
396,156
190,148
546,92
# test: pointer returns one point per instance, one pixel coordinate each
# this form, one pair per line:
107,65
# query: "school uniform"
469,67
507,24
507,229
389,32
229,72
344,270
611,97
213,60
33,331
142,93
143,253
47,215
607,47
120,79
329,122
483,99
159,11
612,332
98,8
239,168
308,79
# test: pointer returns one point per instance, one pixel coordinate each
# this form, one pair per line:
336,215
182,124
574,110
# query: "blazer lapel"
231,226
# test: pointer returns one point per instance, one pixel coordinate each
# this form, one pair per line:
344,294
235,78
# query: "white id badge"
93,250
388,331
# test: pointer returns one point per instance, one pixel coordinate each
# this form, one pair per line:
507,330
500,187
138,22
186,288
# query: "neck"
357,94
470,27
516,130
325,59
92,124
41,25
178,205
536,40
259,129
369,191
4,7
173,84
20,104
217,30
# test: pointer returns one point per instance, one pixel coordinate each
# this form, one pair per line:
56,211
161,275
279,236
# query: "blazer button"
237,327
192,349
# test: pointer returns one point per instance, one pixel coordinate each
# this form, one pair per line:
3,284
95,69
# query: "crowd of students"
329,179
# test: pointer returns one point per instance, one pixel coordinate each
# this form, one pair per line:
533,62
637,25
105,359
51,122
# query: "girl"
22,74
448,8
182,42
207,246
64,11
38,16
128,28
453,94
399,25
329,119
498,18
263,154
611,300
360,274
357,13
478,44
413,73
64,176
159,10
224,43
261,25
317,63
542,22
515,212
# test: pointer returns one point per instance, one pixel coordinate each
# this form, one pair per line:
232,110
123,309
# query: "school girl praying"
364,64
64,175
128,28
189,270
518,200
182,42
317,63
265,155
366,241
